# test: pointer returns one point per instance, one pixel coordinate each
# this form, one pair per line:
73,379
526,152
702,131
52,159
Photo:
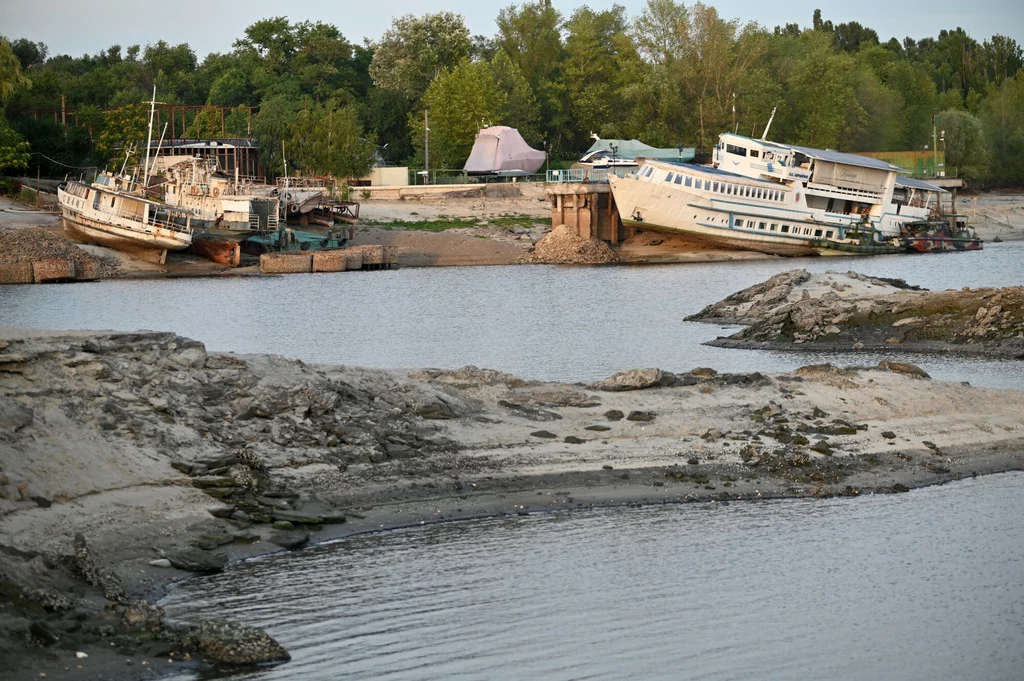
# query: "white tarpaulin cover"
501,149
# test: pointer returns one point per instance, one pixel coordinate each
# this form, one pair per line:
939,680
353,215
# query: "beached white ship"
108,213
779,199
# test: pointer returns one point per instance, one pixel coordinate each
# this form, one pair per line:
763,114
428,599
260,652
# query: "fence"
574,175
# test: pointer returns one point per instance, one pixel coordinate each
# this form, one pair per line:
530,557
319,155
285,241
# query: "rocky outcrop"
853,312
229,643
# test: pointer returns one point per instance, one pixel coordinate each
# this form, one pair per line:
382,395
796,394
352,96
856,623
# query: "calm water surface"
548,323
926,585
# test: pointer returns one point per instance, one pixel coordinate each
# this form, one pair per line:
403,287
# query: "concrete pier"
589,208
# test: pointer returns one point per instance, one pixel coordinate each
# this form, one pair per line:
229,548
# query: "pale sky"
75,27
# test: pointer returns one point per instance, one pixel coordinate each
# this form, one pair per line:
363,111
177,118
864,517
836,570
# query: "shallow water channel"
925,585
538,322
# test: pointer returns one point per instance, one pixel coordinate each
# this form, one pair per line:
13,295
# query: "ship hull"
643,205
88,231
221,251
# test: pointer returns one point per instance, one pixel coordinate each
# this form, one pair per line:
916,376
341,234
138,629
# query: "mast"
159,146
149,140
771,118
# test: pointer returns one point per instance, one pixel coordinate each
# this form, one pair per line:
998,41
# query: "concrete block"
16,273
353,259
86,270
329,261
52,269
276,263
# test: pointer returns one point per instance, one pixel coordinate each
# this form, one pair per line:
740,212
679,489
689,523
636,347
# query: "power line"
39,153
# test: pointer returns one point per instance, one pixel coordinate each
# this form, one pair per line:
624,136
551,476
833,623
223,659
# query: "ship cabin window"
828,234
782,161
754,153
715,187
733,149
774,227
807,230
760,193
668,178
112,201
785,229
650,169
762,225
689,181
679,179
698,183
817,232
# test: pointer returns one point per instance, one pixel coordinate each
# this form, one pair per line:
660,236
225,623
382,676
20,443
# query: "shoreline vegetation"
130,460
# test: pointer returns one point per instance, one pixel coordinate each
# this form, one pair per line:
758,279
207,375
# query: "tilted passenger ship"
778,199
108,213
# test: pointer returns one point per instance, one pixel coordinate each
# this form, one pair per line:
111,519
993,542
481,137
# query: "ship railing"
300,182
872,197
577,175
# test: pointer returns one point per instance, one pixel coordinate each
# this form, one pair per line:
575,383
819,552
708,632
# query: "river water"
538,322
926,585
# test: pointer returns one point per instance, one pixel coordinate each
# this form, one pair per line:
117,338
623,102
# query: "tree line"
674,75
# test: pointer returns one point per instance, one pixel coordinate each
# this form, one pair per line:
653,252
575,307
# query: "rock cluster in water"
855,312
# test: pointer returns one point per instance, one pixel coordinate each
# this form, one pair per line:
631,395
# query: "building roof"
826,154
911,183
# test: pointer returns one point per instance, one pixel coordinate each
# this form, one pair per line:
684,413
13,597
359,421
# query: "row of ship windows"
785,229
721,187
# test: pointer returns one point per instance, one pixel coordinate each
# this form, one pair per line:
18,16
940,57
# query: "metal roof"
825,154
634,148
911,183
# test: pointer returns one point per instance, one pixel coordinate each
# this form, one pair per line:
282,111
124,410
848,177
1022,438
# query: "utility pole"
935,147
426,146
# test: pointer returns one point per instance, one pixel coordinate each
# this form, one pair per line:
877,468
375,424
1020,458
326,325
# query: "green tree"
417,49
521,109
11,78
530,35
330,141
717,56
597,47
14,154
964,142
460,102
271,127
1003,120
124,128
821,88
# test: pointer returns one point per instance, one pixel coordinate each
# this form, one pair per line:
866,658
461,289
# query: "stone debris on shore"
563,246
850,311
143,447
29,245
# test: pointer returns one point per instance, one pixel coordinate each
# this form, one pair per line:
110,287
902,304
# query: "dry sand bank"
151,449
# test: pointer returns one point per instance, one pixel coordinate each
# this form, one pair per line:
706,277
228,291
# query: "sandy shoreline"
151,448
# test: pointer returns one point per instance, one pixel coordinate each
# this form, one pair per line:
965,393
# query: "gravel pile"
30,245
563,246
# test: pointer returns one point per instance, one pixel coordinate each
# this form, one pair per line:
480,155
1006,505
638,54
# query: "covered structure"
625,152
501,150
